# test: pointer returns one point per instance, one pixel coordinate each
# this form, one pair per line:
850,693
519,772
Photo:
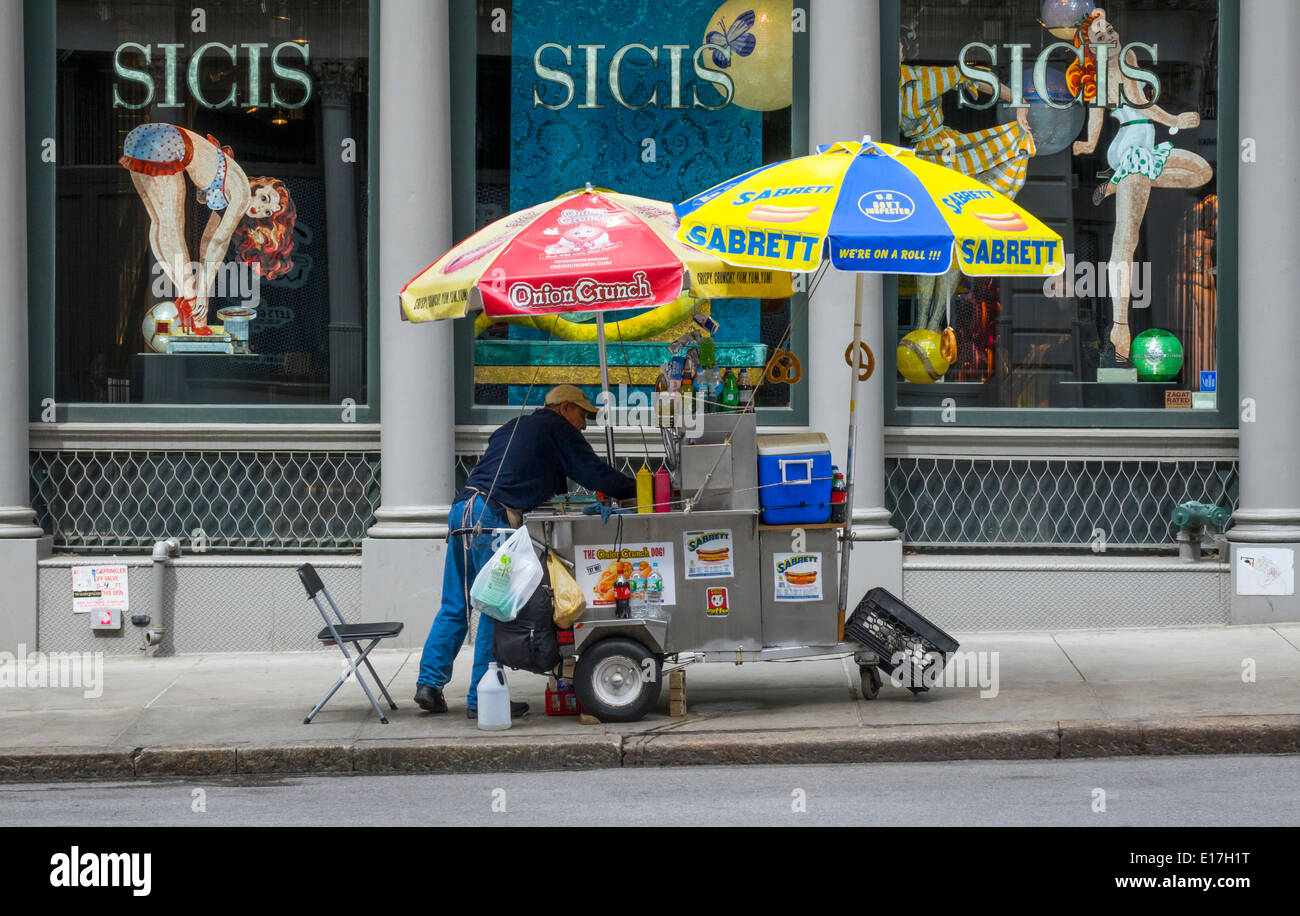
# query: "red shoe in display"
185,319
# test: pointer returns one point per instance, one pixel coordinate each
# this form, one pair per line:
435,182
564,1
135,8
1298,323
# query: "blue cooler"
794,478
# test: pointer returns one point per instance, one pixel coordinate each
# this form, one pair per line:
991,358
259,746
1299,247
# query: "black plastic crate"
902,638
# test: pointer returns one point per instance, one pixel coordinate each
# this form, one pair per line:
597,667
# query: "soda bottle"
707,382
689,406
641,603
730,393
654,593
839,493
663,408
745,390
622,595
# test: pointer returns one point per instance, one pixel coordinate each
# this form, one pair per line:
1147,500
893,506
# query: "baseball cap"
570,394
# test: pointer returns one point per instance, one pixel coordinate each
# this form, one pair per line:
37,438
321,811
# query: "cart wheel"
870,682
617,680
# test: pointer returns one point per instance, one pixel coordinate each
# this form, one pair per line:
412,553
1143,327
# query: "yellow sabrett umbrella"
869,208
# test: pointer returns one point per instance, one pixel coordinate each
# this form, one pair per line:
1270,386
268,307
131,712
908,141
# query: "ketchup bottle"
663,490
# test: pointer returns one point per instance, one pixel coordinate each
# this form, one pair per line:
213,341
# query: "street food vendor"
527,461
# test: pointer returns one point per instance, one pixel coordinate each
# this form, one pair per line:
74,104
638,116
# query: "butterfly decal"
735,39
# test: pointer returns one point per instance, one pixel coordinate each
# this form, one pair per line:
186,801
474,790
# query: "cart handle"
457,532
540,545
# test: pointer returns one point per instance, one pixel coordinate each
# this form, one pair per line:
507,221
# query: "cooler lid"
792,443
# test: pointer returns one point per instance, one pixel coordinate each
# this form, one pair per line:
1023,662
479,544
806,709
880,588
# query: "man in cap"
527,461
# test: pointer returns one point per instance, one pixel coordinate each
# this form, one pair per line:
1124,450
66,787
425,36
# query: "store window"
1118,151
210,224
656,99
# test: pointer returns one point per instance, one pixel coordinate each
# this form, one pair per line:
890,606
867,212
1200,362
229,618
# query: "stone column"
402,555
844,38
22,543
346,340
1269,253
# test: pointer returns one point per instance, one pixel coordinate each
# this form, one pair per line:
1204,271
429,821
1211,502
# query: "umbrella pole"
604,387
846,542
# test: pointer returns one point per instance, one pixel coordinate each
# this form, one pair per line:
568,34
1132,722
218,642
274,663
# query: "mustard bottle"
645,490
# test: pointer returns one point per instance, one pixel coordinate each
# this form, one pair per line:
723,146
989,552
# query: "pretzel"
868,361
783,368
948,345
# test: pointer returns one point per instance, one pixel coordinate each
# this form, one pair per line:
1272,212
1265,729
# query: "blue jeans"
452,623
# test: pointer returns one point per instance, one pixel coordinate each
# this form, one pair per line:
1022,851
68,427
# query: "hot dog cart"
861,207
736,590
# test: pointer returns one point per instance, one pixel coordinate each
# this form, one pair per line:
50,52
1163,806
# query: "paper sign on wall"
596,568
1265,570
798,576
708,554
99,588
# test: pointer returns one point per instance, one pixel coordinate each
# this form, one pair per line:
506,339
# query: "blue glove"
604,510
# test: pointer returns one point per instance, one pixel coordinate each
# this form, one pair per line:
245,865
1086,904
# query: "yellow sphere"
920,357
762,78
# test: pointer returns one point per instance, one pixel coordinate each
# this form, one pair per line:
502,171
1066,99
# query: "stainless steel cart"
735,614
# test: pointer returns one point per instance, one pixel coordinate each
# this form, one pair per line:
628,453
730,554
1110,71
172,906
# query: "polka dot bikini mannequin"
257,214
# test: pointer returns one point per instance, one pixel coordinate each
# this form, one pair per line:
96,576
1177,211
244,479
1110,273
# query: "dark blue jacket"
546,450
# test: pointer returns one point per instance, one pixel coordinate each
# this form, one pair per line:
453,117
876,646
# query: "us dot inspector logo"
886,206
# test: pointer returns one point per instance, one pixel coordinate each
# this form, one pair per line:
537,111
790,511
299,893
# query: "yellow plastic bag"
569,603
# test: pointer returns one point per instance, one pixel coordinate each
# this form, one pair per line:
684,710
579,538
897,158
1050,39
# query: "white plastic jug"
493,700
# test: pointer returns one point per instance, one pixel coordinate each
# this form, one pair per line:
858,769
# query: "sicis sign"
1101,53
287,85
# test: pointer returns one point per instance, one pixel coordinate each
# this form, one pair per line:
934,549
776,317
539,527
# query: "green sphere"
1157,355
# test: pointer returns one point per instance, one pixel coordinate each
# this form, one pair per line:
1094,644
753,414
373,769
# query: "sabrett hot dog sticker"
798,576
709,554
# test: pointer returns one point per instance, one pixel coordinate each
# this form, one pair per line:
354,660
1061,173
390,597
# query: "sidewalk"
1065,694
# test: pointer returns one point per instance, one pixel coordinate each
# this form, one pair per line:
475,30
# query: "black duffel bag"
529,642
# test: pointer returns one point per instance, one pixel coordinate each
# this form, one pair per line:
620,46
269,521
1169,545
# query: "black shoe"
1111,360
517,711
429,698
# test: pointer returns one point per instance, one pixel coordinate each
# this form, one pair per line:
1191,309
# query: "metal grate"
228,501
232,501
1046,502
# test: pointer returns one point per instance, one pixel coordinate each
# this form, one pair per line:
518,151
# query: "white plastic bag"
508,580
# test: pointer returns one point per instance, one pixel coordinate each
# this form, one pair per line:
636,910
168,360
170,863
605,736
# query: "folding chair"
347,632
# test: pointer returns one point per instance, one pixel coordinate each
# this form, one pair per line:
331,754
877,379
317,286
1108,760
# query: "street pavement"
1202,690
1226,791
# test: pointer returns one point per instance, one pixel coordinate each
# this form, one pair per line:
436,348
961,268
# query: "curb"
1199,735
1066,739
873,744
